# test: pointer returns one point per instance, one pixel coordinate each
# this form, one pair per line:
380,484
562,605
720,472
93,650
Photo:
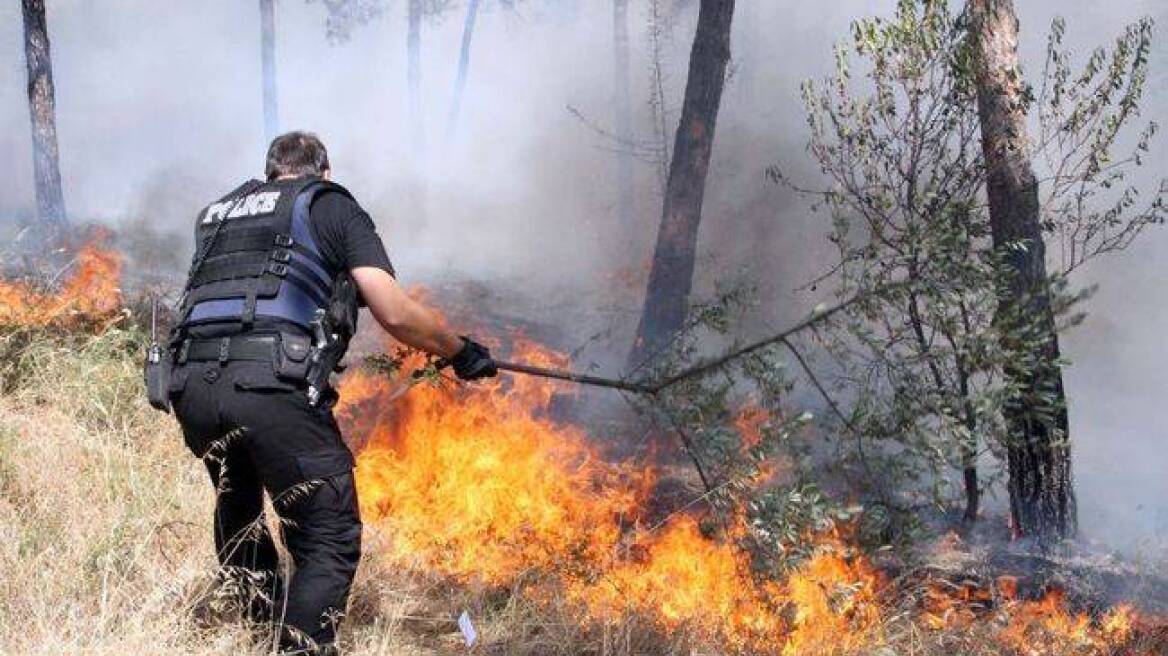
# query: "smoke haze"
159,111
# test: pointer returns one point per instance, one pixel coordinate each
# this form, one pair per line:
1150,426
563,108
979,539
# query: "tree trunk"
623,108
51,219
414,73
268,60
472,10
671,275
1042,499
968,449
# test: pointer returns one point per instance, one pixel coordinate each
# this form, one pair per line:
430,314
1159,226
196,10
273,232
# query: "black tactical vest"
262,262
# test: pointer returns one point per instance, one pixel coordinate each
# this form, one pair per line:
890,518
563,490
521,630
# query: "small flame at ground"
1047,628
1043,627
90,293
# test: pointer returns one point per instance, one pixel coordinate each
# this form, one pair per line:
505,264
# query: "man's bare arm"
407,320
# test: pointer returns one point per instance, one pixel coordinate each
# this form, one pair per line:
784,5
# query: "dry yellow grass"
96,508
105,541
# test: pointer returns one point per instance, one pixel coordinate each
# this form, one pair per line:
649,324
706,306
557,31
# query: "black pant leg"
323,535
307,470
242,539
243,545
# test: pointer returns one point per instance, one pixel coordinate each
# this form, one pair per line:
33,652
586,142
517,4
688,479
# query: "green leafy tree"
924,359
735,424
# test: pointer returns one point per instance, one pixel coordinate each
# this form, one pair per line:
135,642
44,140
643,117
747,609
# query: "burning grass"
484,487
481,486
88,294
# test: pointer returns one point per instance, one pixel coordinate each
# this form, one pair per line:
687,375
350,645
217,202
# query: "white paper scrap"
468,631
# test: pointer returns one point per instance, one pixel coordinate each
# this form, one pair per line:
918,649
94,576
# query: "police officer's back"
271,301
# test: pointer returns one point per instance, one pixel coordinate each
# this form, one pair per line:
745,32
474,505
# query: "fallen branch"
583,379
698,369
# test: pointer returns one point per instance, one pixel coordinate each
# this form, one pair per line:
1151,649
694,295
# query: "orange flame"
90,293
474,483
1047,627
826,606
481,483
750,421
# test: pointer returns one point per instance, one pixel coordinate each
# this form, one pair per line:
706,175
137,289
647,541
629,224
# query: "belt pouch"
291,357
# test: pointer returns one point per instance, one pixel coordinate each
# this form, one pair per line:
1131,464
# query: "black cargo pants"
256,432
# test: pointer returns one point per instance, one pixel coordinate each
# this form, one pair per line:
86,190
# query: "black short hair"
296,153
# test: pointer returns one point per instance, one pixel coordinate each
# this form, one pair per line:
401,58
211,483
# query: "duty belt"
227,349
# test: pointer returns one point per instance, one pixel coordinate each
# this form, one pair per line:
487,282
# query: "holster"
156,372
321,365
336,327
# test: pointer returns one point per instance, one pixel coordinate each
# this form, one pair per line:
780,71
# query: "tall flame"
482,484
476,483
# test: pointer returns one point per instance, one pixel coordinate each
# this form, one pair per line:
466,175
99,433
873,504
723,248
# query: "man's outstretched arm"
411,323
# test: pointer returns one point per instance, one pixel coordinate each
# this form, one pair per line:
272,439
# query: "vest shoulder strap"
309,193
322,186
300,229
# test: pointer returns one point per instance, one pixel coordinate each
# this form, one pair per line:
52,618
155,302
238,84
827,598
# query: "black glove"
473,361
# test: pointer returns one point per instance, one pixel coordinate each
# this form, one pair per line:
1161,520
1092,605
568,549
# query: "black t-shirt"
347,239
345,234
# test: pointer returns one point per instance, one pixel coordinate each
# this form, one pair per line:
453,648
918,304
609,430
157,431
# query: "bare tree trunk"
1042,499
623,108
671,275
472,10
414,72
268,60
51,219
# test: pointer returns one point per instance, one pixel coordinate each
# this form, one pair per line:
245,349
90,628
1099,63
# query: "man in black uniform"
279,268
